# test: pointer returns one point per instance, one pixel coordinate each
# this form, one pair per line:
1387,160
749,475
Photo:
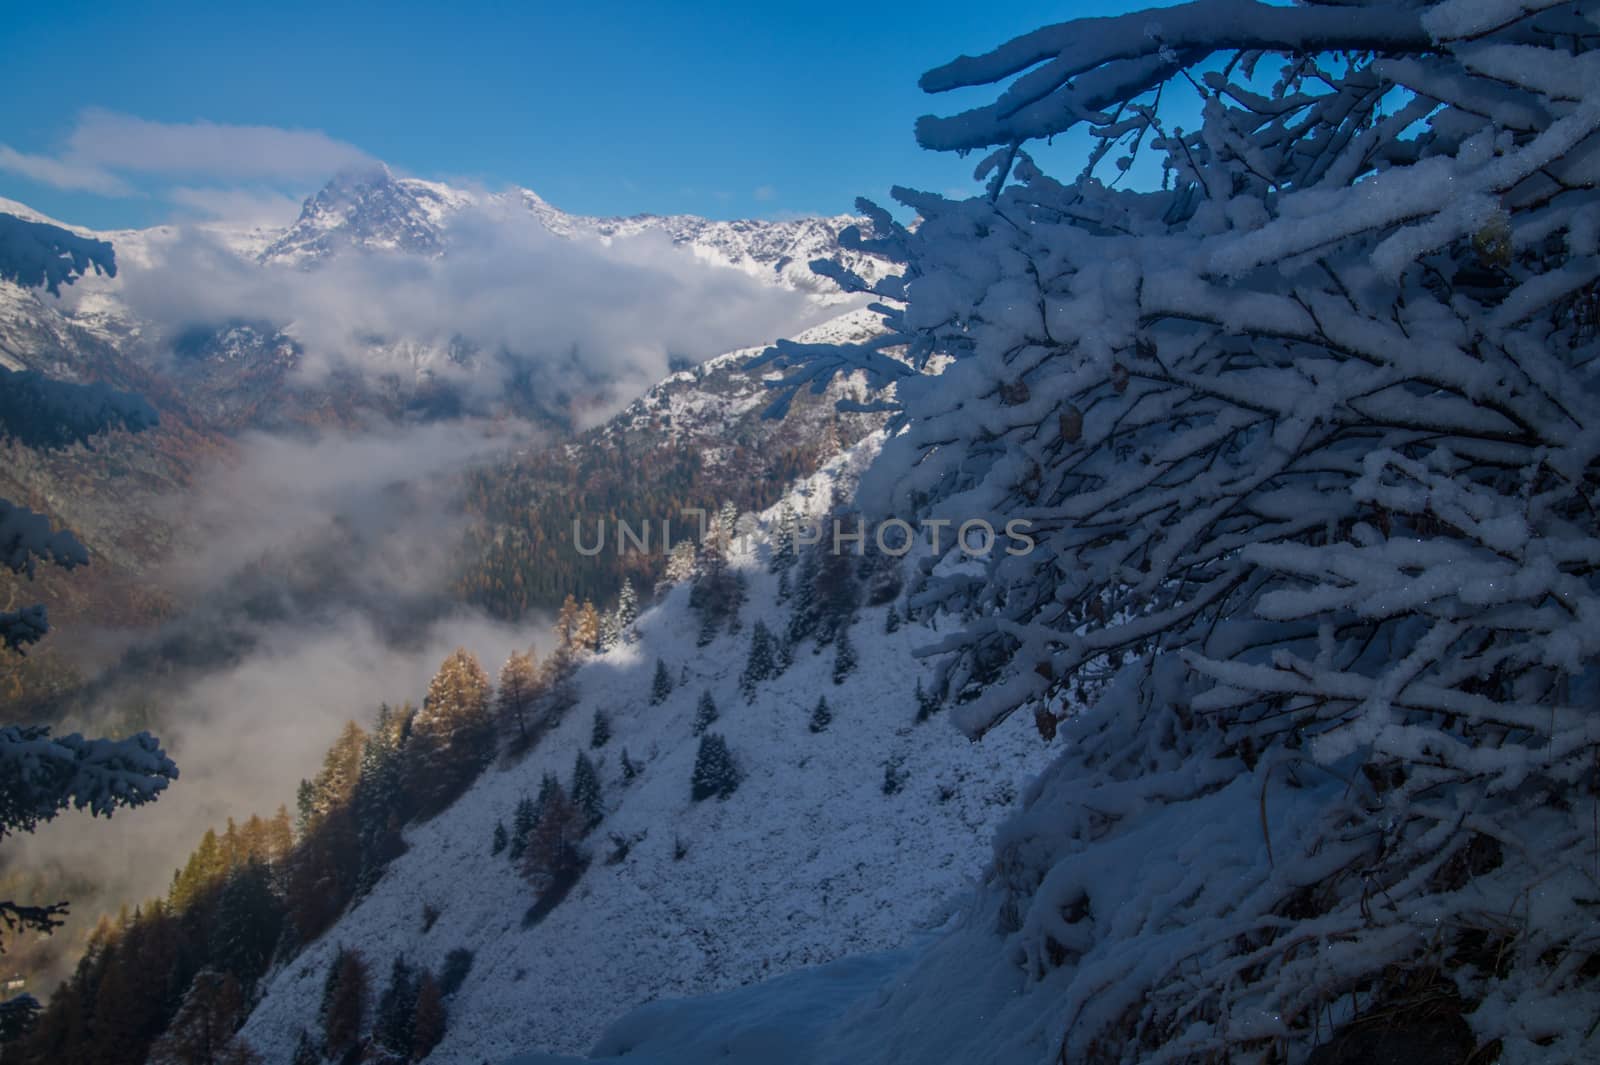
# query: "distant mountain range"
372,210
231,348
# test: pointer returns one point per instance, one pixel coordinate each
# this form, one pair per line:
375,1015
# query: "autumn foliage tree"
515,696
344,1003
452,736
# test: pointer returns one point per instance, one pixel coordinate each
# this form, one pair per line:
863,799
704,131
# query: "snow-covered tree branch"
1310,442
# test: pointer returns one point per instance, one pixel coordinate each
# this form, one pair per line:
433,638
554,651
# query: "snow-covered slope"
808,861
717,406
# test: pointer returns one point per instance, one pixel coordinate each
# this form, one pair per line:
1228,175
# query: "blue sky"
121,114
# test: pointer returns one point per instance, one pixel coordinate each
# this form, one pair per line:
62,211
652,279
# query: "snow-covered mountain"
372,210
848,840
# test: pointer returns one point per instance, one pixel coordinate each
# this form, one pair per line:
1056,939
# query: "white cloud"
246,206
78,177
765,192
119,142
106,150
580,317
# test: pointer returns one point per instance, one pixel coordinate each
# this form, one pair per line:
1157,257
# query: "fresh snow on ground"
808,862
779,1022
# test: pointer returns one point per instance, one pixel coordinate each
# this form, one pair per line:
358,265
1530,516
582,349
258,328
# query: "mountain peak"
366,208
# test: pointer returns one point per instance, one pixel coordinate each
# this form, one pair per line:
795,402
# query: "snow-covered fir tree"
715,772
523,818
803,597
761,664
379,794
783,540
661,684
821,715
705,713
396,1009
844,656
610,631
627,613
585,792
681,562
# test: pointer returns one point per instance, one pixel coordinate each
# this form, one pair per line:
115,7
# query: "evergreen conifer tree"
783,543
585,792
627,611
822,716
844,660
457,964
501,838
837,591
705,713
305,801
803,598
378,798
610,633
392,1023
522,822
246,923
761,663
600,734
715,772
661,686
709,624
552,854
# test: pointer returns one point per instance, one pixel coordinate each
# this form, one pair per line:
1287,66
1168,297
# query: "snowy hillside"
716,405
810,859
